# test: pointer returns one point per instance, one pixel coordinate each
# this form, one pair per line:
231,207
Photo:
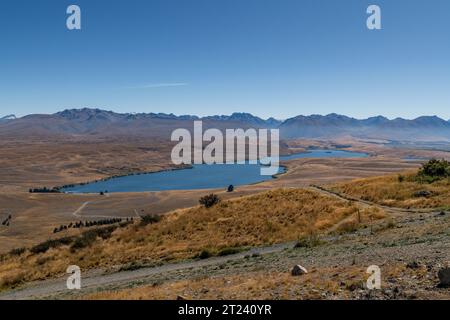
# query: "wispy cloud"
161,85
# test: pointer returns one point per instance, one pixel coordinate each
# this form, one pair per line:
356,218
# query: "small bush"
434,170
41,247
17,252
228,251
104,233
308,241
43,260
209,200
45,246
205,254
87,238
149,219
84,241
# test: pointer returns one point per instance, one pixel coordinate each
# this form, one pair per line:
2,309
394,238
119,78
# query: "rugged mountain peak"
246,118
377,120
8,117
86,114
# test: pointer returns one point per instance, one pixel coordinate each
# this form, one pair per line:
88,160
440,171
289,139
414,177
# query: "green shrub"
209,200
104,233
17,251
205,254
87,238
45,246
149,219
228,251
434,170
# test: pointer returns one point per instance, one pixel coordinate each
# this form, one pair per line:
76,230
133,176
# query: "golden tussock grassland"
401,190
266,218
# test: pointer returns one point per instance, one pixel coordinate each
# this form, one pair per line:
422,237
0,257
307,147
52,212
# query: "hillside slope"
263,219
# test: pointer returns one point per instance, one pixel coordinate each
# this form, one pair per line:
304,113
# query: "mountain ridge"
8,117
66,112
95,121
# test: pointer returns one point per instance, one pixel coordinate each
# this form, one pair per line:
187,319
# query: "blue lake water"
201,176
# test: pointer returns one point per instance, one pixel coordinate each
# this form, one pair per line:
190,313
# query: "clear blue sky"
269,57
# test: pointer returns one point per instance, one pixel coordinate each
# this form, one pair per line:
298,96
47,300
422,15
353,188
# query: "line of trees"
44,190
87,224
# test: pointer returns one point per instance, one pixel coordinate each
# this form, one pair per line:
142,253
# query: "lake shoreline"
237,174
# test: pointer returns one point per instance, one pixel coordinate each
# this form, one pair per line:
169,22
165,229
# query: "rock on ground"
298,270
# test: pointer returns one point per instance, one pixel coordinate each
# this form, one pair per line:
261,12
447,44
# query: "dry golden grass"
398,192
266,218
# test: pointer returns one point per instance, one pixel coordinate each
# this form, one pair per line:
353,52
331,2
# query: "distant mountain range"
426,128
101,123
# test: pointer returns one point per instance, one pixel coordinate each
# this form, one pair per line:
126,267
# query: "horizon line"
234,112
